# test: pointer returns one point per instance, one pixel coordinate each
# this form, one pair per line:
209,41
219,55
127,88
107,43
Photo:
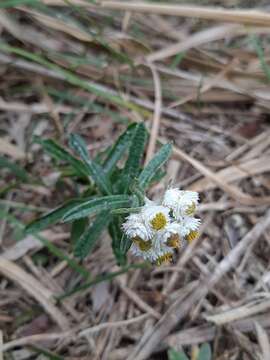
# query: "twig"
252,17
116,324
157,113
28,340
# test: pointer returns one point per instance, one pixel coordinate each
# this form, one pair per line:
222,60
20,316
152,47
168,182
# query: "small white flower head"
157,230
155,253
155,217
181,202
188,224
134,227
171,236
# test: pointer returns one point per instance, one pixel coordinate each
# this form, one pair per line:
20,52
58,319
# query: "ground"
197,76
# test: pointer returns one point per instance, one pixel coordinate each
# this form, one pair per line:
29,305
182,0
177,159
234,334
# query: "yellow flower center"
192,236
174,241
159,221
191,209
166,258
142,245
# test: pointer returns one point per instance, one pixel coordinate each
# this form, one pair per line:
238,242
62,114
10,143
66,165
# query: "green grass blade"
95,206
94,169
154,165
73,79
205,352
58,253
261,55
52,217
102,278
50,246
11,3
87,241
120,147
177,355
17,170
133,163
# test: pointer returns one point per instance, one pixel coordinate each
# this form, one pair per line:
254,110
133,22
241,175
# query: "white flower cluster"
159,229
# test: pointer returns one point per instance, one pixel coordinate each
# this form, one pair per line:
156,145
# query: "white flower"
159,229
135,227
155,217
181,202
153,254
188,224
171,235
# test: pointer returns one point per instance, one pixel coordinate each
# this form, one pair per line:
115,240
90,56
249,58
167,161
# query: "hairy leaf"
52,217
94,169
154,165
91,234
59,153
118,150
136,150
95,206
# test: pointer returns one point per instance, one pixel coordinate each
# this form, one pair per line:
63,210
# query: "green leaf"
94,206
11,3
77,229
118,150
89,238
205,352
154,165
125,244
177,355
59,153
94,169
17,170
52,217
136,150
116,235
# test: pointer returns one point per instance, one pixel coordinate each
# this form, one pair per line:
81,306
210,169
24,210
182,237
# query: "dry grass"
197,75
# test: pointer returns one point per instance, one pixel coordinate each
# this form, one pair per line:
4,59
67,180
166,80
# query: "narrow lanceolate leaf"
125,244
154,165
52,217
95,206
94,169
17,170
88,239
117,151
59,153
136,150
77,229
116,235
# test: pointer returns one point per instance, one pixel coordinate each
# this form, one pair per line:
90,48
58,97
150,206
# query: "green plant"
203,354
110,190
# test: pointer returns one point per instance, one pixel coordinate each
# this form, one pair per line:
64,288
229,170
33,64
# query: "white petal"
188,224
171,197
134,226
150,211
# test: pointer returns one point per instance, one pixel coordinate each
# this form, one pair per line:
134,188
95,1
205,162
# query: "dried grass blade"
235,173
263,341
252,17
34,288
233,191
